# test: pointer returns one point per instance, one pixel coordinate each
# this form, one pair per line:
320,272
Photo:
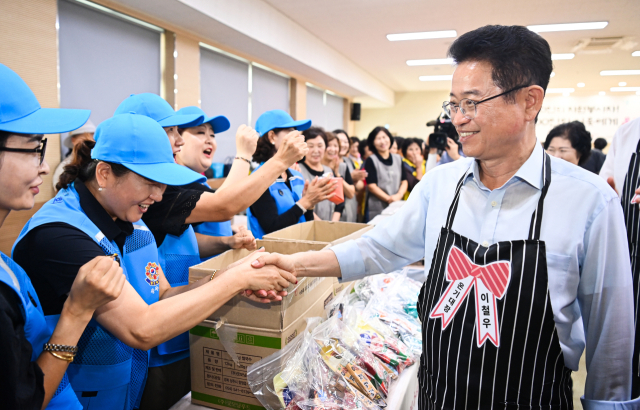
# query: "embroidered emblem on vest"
57,200
490,281
151,271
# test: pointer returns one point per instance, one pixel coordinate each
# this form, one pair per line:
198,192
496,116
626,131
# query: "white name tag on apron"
490,282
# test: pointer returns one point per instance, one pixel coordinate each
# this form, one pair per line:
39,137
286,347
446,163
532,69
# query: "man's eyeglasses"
468,107
41,150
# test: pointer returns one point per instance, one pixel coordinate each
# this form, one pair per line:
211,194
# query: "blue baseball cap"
279,119
155,107
20,111
219,123
140,144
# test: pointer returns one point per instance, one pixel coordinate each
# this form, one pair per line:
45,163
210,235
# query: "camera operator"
444,140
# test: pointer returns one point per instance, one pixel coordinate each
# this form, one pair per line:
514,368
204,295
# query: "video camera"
443,129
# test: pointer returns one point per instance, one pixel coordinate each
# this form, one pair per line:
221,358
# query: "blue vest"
35,327
111,374
177,254
213,229
285,198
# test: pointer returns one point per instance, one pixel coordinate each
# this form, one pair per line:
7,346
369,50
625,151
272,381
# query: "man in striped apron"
526,254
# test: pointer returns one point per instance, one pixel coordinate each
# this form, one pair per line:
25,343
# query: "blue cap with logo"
20,111
155,107
219,123
140,144
279,119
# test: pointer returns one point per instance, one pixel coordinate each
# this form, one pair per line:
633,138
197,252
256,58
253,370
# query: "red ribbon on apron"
490,282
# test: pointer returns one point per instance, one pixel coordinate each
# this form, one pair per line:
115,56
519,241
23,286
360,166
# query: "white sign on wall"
601,115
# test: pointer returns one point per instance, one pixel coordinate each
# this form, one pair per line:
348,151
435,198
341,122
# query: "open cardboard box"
220,382
243,311
315,231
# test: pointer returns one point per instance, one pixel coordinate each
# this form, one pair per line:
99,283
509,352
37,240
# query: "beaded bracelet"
60,348
213,274
244,159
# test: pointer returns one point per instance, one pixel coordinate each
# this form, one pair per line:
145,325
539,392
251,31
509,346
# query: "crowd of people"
95,300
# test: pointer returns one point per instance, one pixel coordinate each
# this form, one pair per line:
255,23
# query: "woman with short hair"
569,141
386,182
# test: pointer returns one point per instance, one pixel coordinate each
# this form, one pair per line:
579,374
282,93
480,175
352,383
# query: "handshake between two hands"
266,275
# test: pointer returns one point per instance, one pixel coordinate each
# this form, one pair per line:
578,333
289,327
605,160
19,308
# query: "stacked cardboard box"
242,332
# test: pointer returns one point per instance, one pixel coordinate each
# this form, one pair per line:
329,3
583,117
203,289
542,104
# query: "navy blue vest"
111,374
285,198
35,327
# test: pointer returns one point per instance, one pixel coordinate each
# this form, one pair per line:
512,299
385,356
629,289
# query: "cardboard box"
216,380
315,231
278,315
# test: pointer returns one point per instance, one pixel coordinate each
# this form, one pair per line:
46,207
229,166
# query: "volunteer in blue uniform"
178,247
288,200
35,355
526,259
98,211
197,154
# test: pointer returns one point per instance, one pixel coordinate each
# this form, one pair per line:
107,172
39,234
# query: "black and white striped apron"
632,220
489,338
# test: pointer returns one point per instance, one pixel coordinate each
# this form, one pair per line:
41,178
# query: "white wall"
602,115
407,118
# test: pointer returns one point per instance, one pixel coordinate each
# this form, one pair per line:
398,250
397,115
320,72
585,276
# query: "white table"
402,395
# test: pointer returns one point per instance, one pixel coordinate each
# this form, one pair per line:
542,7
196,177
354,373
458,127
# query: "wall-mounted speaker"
355,112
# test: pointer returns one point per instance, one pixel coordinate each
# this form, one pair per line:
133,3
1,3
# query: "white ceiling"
358,29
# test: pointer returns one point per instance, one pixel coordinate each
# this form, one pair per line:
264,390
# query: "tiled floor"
579,378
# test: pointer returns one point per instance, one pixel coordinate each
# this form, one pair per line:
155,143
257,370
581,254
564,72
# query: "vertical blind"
224,90
240,91
269,91
325,110
104,59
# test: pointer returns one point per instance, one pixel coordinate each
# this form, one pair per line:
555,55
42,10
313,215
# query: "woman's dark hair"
517,55
372,137
600,143
315,132
577,134
399,141
342,132
407,143
4,136
83,167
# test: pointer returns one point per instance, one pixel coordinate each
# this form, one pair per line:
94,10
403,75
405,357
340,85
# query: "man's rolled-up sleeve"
394,243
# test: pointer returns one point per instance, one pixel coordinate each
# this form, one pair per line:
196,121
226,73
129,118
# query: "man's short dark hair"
518,56
600,143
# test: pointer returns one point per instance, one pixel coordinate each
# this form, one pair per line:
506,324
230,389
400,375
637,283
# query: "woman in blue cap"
289,200
34,355
98,211
197,154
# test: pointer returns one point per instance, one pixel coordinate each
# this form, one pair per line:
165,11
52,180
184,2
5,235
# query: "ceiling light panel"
624,89
635,54
620,72
431,61
546,28
424,35
436,77
562,56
